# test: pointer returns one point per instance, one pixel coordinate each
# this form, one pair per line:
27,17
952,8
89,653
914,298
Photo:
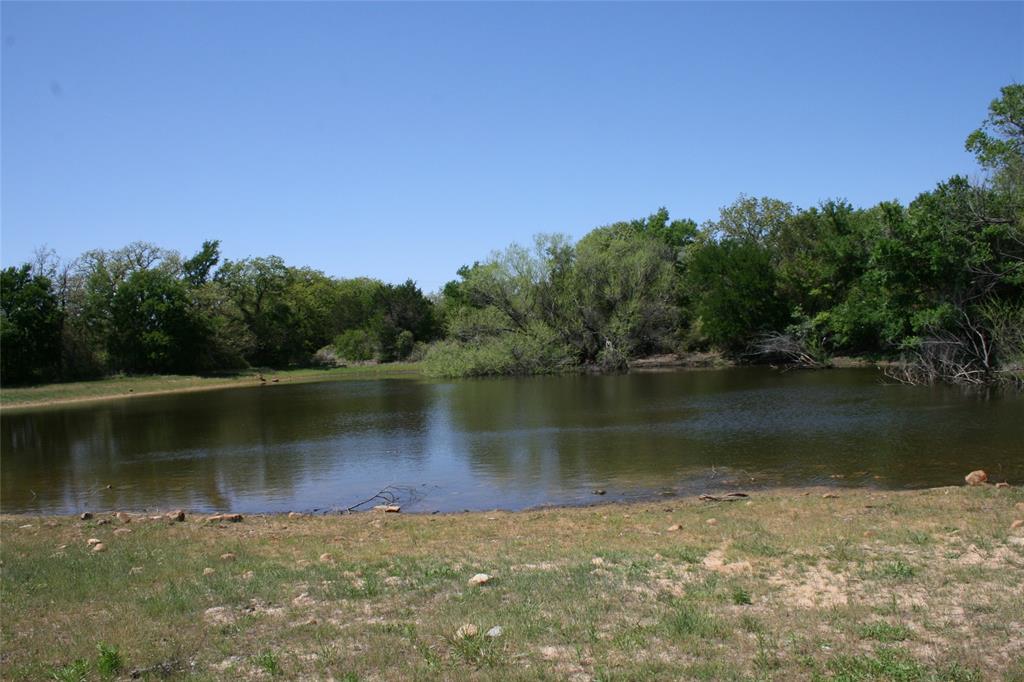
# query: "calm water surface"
502,443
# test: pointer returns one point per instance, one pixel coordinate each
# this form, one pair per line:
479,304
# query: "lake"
506,443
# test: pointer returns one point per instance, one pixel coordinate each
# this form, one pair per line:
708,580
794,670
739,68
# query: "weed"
741,597
884,632
73,672
686,620
108,660
897,570
268,662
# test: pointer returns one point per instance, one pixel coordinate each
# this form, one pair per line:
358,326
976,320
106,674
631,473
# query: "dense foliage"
939,282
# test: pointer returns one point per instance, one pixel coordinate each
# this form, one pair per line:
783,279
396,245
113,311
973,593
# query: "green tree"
154,326
30,327
999,143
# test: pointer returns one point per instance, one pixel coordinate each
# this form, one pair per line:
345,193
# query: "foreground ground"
133,386
916,585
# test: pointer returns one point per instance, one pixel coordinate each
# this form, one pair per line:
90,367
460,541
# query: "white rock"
480,579
494,632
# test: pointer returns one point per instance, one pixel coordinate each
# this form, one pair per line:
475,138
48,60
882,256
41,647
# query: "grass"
131,386
788,587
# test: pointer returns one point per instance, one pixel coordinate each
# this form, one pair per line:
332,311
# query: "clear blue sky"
403,140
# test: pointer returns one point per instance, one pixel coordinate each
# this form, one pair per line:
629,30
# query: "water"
502,443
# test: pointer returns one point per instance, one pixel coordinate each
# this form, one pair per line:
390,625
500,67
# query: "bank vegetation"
937,285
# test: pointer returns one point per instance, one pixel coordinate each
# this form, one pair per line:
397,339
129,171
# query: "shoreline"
117,388
786,584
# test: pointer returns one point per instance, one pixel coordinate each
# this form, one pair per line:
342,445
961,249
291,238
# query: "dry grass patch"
922,585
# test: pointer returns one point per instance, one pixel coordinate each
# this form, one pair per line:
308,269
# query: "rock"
92,542
388,508
155,518
480,579
102,522
25,526
122,531
467,631
216,518
227,556
326,558
295,515
673,528
248,575
208,571
830,496
123,517
303,600
219,615
1002,484
978,477
1017,523
135,570
394,581
494,633
597,561
86,516
177,515
99,547
599,491
712,522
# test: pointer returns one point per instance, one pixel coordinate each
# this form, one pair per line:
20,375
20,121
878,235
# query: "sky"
404,140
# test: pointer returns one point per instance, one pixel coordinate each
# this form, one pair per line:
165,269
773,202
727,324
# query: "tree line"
938,283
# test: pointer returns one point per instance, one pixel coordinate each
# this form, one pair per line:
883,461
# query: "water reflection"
501,442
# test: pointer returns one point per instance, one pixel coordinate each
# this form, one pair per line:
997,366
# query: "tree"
154,326
30,327
998,144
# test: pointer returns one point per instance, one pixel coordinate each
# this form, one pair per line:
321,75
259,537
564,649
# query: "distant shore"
135,386
118,387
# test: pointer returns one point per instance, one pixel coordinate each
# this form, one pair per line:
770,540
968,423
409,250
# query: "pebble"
227,556
978,477
123,517
480,579
712,522
86,516
597,561
99,547
122,531
93,542
494,632
673,528
1017,523
248,575
208,571
326,558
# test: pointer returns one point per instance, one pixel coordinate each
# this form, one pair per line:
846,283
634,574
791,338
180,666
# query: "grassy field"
788,585
128,386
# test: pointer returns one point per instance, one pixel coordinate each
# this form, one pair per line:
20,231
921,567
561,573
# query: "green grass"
599,593
127,386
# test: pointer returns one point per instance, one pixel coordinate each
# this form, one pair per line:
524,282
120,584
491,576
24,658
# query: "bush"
519,353
356,345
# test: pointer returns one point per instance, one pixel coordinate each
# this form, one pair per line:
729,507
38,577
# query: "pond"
502,443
